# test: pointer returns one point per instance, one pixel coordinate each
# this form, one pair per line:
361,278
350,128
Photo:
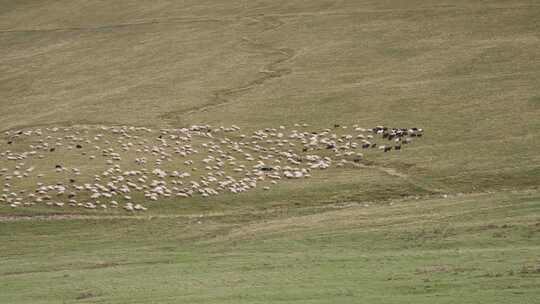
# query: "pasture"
452,217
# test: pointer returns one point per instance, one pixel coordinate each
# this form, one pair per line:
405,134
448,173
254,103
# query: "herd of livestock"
101,167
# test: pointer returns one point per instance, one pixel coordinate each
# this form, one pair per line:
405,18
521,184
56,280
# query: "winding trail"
306,210
118,25
271,16
269,71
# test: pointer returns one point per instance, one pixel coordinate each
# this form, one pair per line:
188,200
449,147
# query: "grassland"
468,72
469,249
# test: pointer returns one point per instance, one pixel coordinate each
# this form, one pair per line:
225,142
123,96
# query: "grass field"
455,218
470,249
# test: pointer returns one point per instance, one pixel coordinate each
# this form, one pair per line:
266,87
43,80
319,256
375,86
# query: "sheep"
274,146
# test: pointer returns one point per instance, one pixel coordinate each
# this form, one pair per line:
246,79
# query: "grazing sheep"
271,148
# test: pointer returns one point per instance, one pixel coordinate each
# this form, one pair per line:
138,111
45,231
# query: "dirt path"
302,211
195,216
267,72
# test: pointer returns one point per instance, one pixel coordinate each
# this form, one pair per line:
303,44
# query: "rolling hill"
452,218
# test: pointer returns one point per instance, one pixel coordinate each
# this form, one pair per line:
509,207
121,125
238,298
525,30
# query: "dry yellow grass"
468,72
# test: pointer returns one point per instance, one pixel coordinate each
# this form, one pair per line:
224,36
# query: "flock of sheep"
125,167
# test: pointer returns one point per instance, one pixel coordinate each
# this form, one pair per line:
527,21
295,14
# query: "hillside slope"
466,71
452,217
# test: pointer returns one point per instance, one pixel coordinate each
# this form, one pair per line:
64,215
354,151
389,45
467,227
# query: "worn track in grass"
269,71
